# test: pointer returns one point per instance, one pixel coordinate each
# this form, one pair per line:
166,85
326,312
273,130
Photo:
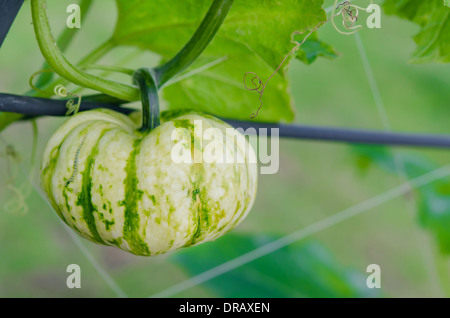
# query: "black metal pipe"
35,106
8,13
348,135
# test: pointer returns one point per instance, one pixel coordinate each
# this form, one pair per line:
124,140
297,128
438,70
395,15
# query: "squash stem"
145,79
58,62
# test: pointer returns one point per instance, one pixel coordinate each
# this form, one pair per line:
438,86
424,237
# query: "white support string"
101,271
398,160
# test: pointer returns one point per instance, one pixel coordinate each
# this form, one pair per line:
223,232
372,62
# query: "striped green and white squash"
119,187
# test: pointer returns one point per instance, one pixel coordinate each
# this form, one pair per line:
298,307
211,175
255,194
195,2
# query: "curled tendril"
17,204
33,76
62,91
258,85
72,108
350,14
59,90
256,81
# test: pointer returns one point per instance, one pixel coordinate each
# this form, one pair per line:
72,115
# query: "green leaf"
433,199
447,3
298,270
433,40
413,165
434,212
8,118
313,48
255,37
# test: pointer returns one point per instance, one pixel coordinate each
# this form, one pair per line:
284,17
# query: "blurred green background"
315,180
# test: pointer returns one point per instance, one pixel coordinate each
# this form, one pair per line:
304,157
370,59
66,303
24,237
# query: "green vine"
198,42
64,41
58,62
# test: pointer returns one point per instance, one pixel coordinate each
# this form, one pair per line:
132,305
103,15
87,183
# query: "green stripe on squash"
132,196
84,197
